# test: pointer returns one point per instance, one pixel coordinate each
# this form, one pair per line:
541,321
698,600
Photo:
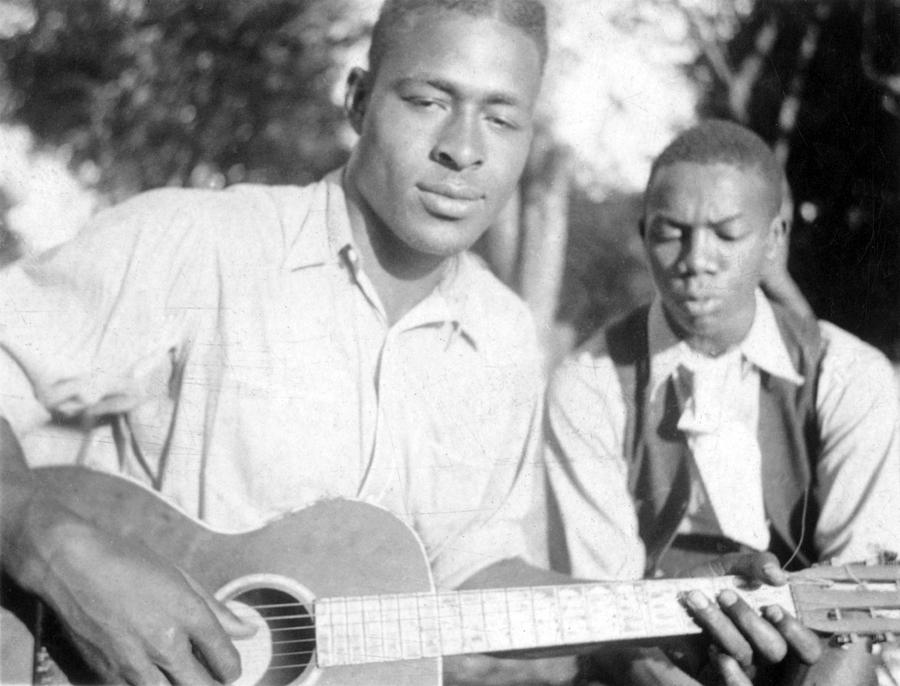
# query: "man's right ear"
357,97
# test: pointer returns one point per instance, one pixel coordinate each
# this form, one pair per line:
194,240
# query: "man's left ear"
357,97
778,236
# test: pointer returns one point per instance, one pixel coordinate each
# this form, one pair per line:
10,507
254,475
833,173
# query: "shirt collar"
316,242
763,347
454,301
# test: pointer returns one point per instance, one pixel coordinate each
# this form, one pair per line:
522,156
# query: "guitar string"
504,610
363,623
388,655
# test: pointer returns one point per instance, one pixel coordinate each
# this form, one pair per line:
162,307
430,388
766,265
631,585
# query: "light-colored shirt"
719,398
250,370
858,469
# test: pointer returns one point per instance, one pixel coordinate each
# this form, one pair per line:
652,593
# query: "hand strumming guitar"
135,618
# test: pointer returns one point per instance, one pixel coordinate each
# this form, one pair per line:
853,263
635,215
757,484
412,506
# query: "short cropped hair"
528,15
716,141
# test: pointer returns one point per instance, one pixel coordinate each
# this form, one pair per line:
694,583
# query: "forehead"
479,55
717,188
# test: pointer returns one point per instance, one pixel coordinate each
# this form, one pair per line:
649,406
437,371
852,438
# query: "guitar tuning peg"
844,640
888,557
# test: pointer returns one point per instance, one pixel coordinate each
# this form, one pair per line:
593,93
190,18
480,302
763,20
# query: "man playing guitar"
254,350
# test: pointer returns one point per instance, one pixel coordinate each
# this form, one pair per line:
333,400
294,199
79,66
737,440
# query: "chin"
445,239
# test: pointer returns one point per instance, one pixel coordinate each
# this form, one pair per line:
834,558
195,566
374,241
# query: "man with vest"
713,420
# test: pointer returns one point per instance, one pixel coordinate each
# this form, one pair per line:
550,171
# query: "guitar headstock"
849,601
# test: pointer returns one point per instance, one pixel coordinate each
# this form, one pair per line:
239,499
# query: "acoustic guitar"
341,593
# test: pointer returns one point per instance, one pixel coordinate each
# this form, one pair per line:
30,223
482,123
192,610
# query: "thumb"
762,567
234,626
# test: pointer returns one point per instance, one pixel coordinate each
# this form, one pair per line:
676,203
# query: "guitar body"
347,586
331,548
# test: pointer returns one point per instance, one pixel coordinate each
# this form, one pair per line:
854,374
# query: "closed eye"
504,123
424,103
665,232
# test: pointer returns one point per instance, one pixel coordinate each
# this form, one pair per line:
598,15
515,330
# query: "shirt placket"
377,360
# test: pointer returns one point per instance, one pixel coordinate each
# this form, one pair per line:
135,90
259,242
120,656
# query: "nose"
460,144
699,253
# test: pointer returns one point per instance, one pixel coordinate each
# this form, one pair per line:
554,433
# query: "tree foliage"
183,92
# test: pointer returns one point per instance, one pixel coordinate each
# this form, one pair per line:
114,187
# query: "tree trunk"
545,233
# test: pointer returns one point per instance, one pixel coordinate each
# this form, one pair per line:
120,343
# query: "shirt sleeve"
859,465
587,472
92,327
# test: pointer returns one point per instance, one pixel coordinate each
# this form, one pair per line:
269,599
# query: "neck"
717,339
401,276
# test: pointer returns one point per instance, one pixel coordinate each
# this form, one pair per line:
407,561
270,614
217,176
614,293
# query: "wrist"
44,530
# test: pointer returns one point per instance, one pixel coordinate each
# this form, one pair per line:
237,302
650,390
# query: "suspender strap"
660,485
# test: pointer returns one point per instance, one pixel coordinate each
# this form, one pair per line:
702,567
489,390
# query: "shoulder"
853,374
590,370
499,318
846,355
239,216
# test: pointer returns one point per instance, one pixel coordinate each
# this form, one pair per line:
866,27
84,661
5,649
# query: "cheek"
748,263
396,142
663,257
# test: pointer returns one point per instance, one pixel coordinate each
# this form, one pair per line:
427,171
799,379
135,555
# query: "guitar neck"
384,628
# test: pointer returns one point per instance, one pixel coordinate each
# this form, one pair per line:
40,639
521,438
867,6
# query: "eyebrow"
454,90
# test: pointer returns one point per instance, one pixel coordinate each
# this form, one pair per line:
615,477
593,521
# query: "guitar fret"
471,610
411,647
573,610
521,612
450,617
323,623
603,612
339,627
429,629
547,626
390,622
497,625
373,628
356,647
665,615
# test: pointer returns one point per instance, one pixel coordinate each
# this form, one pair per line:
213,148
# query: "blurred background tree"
147,94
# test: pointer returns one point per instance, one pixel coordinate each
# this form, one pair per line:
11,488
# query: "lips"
454,191
449,200
698,307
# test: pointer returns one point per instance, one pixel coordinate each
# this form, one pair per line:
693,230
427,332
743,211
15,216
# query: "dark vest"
788,436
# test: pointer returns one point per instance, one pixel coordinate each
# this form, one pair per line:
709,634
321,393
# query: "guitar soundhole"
290,636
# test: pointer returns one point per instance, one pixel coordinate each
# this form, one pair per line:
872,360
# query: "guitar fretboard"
382,628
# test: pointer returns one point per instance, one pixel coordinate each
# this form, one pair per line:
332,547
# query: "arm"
133,617
859,464
72,326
